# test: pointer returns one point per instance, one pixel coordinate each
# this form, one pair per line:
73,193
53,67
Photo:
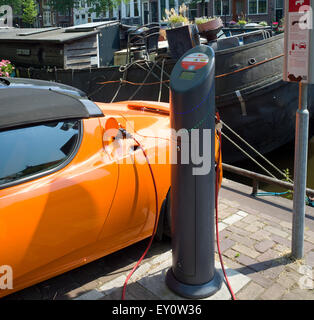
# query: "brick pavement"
255,238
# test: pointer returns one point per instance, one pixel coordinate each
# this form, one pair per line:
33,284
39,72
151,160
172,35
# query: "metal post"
300,171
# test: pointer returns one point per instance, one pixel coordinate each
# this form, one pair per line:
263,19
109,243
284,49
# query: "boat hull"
250,95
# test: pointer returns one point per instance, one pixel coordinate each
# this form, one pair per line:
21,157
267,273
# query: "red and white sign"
297,29
295,5
194,61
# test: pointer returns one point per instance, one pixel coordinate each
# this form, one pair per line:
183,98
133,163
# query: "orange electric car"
75,184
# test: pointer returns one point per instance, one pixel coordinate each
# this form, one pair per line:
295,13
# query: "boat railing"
257,177
242,39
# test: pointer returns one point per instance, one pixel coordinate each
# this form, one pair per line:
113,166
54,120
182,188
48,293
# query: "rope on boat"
248,155
144,81
257,152
126,67
161,77
249,67
134,83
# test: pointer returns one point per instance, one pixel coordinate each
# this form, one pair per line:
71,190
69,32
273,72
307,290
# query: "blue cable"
271,193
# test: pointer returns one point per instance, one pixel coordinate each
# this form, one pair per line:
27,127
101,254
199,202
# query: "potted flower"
275,25
281,26
209,27
182,35
6,68
175,19
232,24
241,23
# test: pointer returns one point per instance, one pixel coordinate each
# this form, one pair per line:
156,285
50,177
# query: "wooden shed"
82,46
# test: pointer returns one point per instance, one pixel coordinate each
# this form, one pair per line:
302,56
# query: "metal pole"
300,171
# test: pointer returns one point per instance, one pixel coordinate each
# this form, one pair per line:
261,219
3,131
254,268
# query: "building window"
83,16
77,17
54,18
46,18
136,11
221,7
257,6
279,10
127,9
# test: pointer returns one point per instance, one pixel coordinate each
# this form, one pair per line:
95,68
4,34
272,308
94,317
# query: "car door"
57,186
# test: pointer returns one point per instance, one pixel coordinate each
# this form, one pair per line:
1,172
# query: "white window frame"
280,8
258,13
221,8
138,8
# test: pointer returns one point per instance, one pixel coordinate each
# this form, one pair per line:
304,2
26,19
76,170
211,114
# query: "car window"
31,150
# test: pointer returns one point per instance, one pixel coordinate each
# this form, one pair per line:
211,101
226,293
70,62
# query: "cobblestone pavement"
255,239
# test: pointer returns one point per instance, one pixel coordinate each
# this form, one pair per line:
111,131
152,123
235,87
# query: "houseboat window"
221,7
127,9
192,10
136,12
257,6
163,8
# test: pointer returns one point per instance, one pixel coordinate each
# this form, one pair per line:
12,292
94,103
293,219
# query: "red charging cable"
156,220
217,232
155,224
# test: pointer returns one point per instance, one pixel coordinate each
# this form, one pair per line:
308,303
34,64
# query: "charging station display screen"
186,75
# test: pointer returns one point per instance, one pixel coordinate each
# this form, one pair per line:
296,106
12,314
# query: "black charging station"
192,106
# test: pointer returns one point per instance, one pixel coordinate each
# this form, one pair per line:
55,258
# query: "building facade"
136,12
250,10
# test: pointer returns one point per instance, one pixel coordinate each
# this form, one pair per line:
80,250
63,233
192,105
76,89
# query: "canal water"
283,158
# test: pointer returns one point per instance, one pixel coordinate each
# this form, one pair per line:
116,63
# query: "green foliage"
203,20
63,6
102,6
15,4
242,22
97,6
287,174
6,68
29,11
263,24
173,17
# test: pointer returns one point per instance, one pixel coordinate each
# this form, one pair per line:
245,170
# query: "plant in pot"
175,19
281,26
275,26
209,27
241,23
181,35
232,24
6,68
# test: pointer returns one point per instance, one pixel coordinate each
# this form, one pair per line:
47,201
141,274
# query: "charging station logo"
6,17
194,61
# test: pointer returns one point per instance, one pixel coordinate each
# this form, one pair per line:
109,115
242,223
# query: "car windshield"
35,149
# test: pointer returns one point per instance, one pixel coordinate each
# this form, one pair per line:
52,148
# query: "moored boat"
250,94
